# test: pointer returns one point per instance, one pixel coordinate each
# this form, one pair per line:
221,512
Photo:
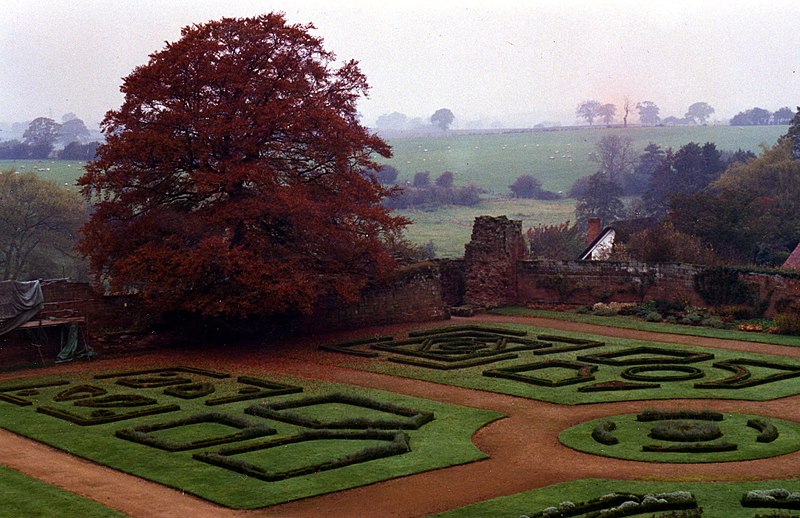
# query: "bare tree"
615,156
626,108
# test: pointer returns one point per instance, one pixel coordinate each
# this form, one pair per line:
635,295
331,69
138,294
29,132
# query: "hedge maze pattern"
224,437
551,361
700,434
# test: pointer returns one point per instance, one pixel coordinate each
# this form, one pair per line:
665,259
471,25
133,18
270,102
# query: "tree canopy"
443,118
234,178
589,111
39,222
699,112
648,113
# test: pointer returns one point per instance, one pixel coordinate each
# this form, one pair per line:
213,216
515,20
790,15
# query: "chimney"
593,231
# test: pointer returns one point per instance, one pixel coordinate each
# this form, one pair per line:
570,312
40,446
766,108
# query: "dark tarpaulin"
19,302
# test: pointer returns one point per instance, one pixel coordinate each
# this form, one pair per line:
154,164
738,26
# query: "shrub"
653,316
602,433
661,415
714,322
691,447
767,430
788,323
685,431
722,286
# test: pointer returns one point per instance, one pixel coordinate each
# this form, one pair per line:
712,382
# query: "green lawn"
473,376
24,496
656,327
718,499
444,441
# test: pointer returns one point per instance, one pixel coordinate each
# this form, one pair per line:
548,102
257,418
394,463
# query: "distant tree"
77,151
41,136
442,118
626,109
606,113
601,199
699,112
526,186
636,183
783,116
386,174
394,121
615,157
74,130
752,117
68,117
665,244
422,180
39,222
588,110
648,113
14,150
560,242
579,187
739,156
445,180
793,135
231,183
691,169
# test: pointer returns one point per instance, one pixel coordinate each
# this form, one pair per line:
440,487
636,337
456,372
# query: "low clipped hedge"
602,433
742,378
766,430
20,401
445,365
518,373
691,447
638,373
685,431
778,498
615,385
407,418
247,393
661,415
104,415
190,391
396,443
247,430
621,504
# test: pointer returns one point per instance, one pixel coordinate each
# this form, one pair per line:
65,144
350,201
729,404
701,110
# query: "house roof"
623,230
586,255
793,260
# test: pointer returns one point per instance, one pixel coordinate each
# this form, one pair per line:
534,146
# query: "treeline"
16,150
697,204
423,193
45,138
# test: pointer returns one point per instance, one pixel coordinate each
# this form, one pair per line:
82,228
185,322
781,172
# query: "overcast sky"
481,59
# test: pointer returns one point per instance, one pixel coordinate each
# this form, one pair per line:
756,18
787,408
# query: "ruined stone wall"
490,262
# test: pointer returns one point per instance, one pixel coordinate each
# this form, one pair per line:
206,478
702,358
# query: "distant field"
63,172
493,162
556,157
450,228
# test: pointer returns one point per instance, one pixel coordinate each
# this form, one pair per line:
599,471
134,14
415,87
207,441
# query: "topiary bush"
685,431
660,415
602,433
778,498
767,432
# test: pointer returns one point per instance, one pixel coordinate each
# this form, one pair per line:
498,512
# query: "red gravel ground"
517,444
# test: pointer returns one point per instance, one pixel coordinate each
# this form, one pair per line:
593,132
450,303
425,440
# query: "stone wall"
490,261
587,282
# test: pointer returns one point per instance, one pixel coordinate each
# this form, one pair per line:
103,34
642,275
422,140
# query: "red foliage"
232,181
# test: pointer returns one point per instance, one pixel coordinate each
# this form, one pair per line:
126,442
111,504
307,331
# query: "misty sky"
482,59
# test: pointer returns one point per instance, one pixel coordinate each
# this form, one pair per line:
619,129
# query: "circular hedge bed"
683,440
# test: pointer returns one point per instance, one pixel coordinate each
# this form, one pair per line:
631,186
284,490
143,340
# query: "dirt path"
524,448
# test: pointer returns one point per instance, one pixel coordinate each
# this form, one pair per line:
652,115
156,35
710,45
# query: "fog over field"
508,63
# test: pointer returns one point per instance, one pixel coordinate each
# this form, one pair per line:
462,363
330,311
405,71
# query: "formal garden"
263,437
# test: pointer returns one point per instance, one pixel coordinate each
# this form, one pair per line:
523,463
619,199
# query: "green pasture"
450,227
718,499
473,376
444,441
556,157
24,496
62,172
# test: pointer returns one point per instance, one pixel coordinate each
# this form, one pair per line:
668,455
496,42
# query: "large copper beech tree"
232,179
